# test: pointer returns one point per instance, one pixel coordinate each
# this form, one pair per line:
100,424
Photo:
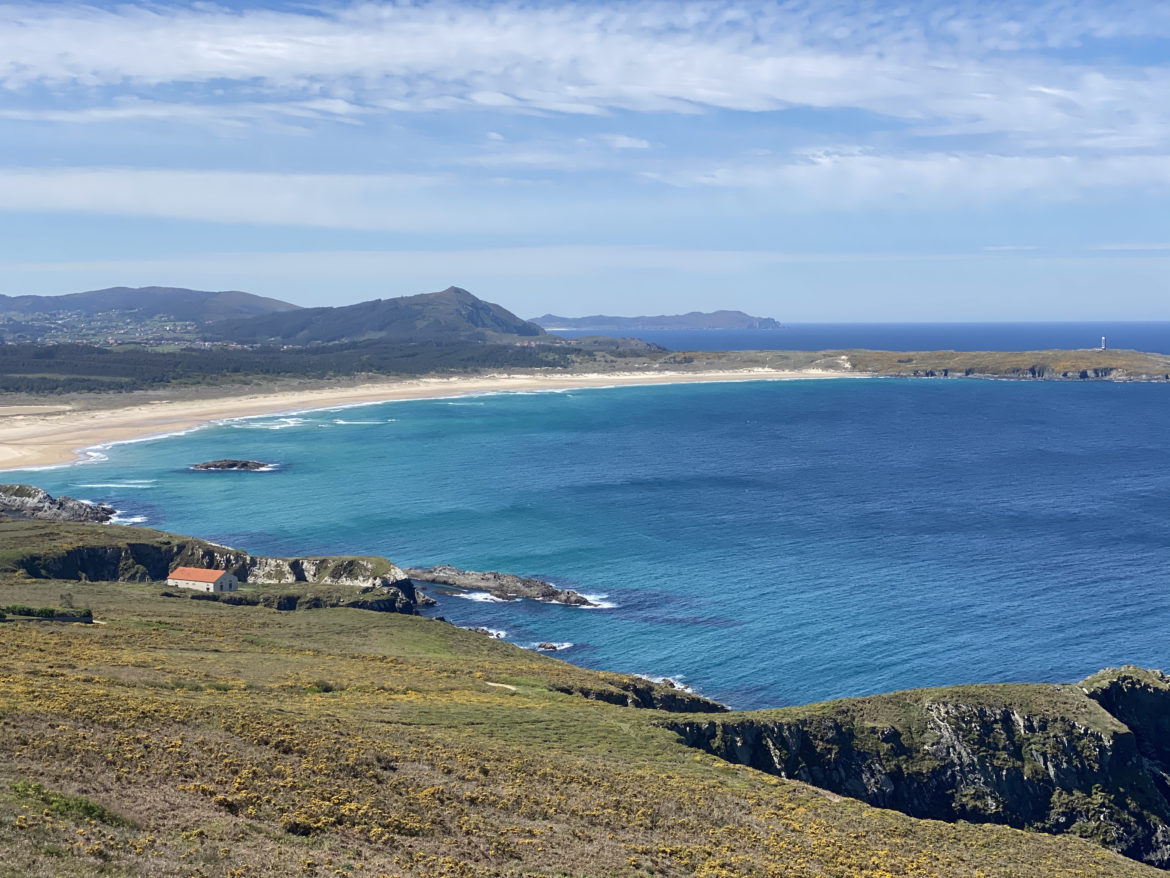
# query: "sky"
807,161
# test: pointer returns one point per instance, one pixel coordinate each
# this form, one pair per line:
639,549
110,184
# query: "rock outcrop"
366,582
380,599
230,464
1091,759
638,692
26,501
505,586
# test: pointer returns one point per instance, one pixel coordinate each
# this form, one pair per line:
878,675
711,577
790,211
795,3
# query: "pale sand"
50,436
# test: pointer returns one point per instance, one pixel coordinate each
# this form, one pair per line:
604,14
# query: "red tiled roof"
196,574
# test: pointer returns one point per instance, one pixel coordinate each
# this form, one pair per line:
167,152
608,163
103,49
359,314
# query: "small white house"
203,580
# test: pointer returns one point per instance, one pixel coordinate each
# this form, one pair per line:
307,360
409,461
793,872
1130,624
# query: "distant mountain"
197,306
693,320
450,315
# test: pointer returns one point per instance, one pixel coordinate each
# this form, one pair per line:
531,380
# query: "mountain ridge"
452,314
179,303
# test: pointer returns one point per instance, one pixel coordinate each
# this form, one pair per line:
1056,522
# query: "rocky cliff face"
1089,759
637,692
376,583
26,501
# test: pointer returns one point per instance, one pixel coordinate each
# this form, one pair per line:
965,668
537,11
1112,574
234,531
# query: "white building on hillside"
203,580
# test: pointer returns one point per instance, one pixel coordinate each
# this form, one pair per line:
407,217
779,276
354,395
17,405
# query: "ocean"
1152,337
766,543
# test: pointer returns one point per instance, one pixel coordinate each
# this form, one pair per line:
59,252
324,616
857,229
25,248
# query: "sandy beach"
48,435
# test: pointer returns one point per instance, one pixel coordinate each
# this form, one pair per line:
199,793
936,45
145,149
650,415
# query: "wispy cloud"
1135,247
917,180
963,68
443,202
542,261
624,141
135,109
353,201
950,125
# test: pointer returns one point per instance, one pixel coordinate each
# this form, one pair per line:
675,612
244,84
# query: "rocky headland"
1089,760
28,502
1092,758
504,586
114,553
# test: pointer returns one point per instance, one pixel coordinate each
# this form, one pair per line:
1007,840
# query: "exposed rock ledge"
380,599
1092,759
230,464
504,586
363,582
25,501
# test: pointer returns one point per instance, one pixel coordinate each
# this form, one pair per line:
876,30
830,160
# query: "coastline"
36,439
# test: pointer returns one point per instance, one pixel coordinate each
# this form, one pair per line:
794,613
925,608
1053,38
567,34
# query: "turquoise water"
767,543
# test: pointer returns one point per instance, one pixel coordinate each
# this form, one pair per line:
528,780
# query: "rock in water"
487,632
230,464
502,585
26,501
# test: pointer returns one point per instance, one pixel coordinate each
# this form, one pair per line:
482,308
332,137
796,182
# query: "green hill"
450,315
198,306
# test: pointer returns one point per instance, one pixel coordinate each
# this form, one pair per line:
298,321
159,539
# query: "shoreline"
42,439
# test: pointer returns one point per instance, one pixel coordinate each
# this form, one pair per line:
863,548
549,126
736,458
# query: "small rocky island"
229,464
504,586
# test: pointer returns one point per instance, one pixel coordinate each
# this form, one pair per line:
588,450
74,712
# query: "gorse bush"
242,741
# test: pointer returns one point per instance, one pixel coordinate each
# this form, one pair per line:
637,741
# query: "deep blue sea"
1152,337
767,543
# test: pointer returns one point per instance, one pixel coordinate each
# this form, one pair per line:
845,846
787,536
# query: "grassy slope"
904,709
238,741
1131,363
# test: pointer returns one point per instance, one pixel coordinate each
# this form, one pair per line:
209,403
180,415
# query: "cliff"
1086,365
1090,759
183,736
26,501
111,553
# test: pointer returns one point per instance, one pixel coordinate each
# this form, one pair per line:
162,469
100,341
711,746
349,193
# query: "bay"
767,543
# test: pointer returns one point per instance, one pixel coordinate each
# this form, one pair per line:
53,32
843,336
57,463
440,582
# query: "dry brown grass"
243,741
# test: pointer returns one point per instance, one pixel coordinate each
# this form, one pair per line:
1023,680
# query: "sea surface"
1152,337
766,543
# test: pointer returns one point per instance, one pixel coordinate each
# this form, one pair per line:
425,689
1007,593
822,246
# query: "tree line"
68,368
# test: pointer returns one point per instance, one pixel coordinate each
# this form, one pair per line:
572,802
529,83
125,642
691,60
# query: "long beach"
48,435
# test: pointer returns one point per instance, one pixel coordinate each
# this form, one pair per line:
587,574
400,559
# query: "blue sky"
801,160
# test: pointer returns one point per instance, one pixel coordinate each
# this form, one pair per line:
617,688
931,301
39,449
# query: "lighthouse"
1102,342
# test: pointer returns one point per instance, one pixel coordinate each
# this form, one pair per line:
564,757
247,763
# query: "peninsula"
692,320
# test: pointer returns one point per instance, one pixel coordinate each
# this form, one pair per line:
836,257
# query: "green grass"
75,807
237,740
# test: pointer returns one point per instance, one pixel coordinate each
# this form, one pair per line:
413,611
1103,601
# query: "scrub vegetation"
189,737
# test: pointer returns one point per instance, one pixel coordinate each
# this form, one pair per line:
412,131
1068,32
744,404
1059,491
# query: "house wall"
227,582
188,583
